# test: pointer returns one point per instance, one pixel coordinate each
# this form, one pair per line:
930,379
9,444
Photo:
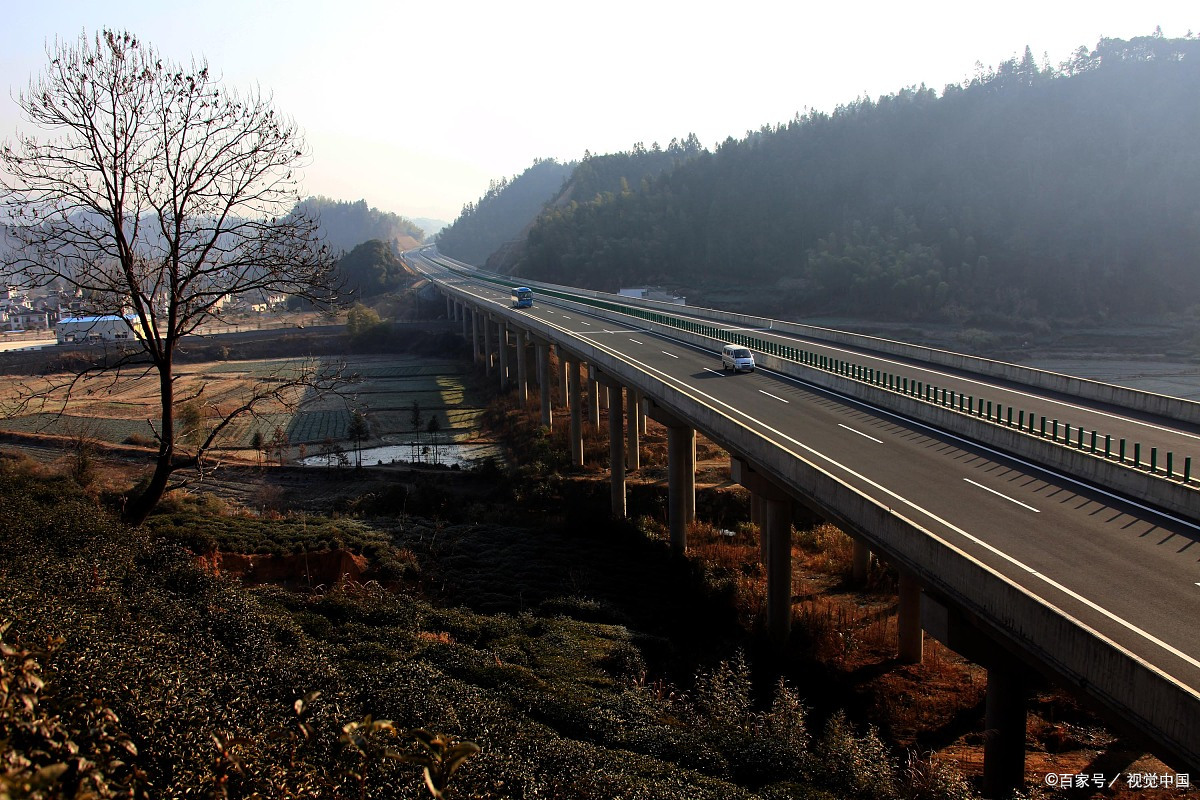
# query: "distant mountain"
1030,194
346,225
429,226
503,213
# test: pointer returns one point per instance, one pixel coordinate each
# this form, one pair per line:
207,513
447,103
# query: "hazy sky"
416,106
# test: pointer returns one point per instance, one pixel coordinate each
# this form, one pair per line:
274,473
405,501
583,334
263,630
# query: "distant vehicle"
736,358
522,297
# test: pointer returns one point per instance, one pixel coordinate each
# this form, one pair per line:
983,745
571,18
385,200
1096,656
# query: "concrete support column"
778,535
1004,734
487,344
633,454
681,484
502,345
772,506
604,396
449,308
758,520
543,374
593,403
462,314
575,433
522,367
641,414
861,561
563,387
475,336
908,620
616,454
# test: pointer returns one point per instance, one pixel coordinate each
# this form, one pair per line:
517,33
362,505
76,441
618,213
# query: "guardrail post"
1042,433
1137,455
1107,445
1021,420
1121,448
1093,442
1170,464
1187,469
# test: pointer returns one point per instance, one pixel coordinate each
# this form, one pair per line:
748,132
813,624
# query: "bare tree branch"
158,193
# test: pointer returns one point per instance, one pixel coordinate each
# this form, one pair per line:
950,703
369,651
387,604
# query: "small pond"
461,455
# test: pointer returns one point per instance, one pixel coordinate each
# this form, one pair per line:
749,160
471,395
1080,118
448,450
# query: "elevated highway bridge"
1039,523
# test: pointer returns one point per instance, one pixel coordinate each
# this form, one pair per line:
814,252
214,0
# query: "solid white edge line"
860,433
999,494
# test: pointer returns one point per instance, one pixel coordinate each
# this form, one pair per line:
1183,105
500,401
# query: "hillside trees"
344,226
371,268
158,193
501,214
1027,192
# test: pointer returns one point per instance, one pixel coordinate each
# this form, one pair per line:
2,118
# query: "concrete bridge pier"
593,395
476,349
522,367
633,454
543,378
758,520
575,431
563,389
502,346
861,561
775,535
616,441
462,314
681,474
1004,728
1009,684
911,644
487,343
449,308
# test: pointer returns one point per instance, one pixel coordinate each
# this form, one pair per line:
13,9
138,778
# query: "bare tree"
159,194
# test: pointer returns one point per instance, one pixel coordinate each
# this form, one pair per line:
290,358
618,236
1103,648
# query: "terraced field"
382,388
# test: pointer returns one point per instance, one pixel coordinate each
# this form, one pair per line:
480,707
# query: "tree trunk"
138,507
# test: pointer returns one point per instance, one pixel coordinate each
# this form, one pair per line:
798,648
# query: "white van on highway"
737,358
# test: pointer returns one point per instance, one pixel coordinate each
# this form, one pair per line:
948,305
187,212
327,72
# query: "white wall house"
109,328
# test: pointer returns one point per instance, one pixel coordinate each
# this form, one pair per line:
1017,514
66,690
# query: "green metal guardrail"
1029,424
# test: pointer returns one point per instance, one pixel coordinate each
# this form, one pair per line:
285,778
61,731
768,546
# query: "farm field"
381,387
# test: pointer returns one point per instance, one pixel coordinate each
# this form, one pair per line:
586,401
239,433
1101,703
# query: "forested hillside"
346,225
502,213
1028,193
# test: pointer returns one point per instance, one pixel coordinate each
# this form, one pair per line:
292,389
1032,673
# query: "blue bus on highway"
522,297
